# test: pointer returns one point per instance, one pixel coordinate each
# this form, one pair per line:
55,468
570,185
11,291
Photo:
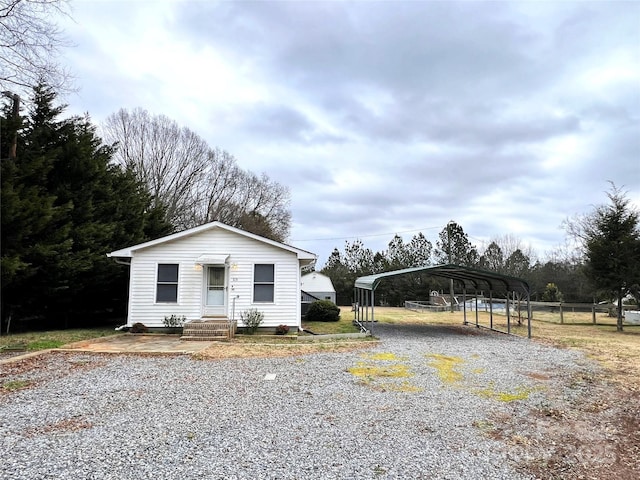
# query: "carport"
471,279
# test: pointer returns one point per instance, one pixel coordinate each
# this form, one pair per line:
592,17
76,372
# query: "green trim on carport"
470,278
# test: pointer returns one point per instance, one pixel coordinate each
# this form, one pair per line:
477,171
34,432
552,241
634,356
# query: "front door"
215,295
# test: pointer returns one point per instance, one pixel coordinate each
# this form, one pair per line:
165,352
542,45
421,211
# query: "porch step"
208,330
191,338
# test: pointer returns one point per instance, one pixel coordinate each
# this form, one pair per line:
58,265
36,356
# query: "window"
263,282
167,286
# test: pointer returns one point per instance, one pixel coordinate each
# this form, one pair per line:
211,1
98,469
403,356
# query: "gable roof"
472,278
317,282
129,251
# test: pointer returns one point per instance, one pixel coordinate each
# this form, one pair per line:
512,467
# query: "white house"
214,271
319,285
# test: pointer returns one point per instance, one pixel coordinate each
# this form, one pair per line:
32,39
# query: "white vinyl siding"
243,253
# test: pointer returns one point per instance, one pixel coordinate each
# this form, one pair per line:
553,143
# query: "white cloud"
388,117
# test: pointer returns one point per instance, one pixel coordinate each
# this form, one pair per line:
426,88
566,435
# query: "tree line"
605,265
68,197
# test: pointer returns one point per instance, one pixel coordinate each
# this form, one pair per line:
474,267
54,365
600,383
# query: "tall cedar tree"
64,205
611,237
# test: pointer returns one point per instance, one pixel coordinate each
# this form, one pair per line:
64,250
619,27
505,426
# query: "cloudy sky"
387,117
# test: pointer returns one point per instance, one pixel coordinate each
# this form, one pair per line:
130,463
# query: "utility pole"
450,263
15,117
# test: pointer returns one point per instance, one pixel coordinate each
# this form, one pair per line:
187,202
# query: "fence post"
561,316
593,314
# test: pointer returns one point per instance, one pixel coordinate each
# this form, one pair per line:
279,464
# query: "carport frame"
365,287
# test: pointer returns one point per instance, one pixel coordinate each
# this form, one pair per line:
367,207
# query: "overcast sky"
387,117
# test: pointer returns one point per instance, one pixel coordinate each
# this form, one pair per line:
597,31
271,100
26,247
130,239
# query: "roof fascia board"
129,251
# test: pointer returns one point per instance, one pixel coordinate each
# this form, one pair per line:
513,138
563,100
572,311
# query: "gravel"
128,417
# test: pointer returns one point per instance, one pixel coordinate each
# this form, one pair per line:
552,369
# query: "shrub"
323,311
252,319
174,321
282,329
139,328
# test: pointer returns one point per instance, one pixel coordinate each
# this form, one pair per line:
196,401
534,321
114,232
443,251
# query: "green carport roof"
471,278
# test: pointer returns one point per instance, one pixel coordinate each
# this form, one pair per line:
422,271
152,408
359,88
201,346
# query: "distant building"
319,286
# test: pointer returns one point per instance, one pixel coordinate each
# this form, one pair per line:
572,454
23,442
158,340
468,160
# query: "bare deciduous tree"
195,183
30,42
170,160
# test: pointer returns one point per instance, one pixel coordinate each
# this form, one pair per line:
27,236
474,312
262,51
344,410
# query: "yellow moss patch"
520,393
397,370
446,367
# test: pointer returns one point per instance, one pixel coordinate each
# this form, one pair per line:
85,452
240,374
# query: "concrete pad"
137,343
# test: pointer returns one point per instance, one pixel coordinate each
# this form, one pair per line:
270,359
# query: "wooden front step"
208,330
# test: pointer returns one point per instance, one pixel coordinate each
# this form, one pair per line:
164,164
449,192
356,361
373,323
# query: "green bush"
252,319
174,321
139,328
323,311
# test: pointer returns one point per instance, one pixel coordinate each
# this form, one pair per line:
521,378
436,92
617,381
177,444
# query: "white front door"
215,295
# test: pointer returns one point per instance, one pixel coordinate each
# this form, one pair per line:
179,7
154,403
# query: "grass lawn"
343,325
53,338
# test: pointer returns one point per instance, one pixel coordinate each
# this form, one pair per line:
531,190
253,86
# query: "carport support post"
373,306
529,315
477,324
354,303
464,304
508,315
491,309
366,306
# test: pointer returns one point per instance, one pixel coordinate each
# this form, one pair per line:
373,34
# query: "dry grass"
265,350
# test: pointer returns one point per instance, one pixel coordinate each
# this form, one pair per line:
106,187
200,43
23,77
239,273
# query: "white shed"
214,271
319,285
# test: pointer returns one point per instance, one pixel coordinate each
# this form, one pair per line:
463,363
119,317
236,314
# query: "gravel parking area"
421,404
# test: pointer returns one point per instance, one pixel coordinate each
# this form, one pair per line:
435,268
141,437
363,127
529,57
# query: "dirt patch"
591,431
35,369
63,426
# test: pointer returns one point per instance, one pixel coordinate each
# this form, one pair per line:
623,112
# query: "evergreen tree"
64,206
454,244
552,293
610,236
342,279
492,258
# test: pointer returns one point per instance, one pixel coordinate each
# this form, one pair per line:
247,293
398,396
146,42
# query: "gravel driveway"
416,406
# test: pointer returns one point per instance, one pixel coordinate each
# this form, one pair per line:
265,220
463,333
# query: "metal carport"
469,278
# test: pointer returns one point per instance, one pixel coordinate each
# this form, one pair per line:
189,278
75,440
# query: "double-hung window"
263,282
167,284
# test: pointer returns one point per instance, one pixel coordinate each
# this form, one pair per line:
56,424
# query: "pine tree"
64,206
610,237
